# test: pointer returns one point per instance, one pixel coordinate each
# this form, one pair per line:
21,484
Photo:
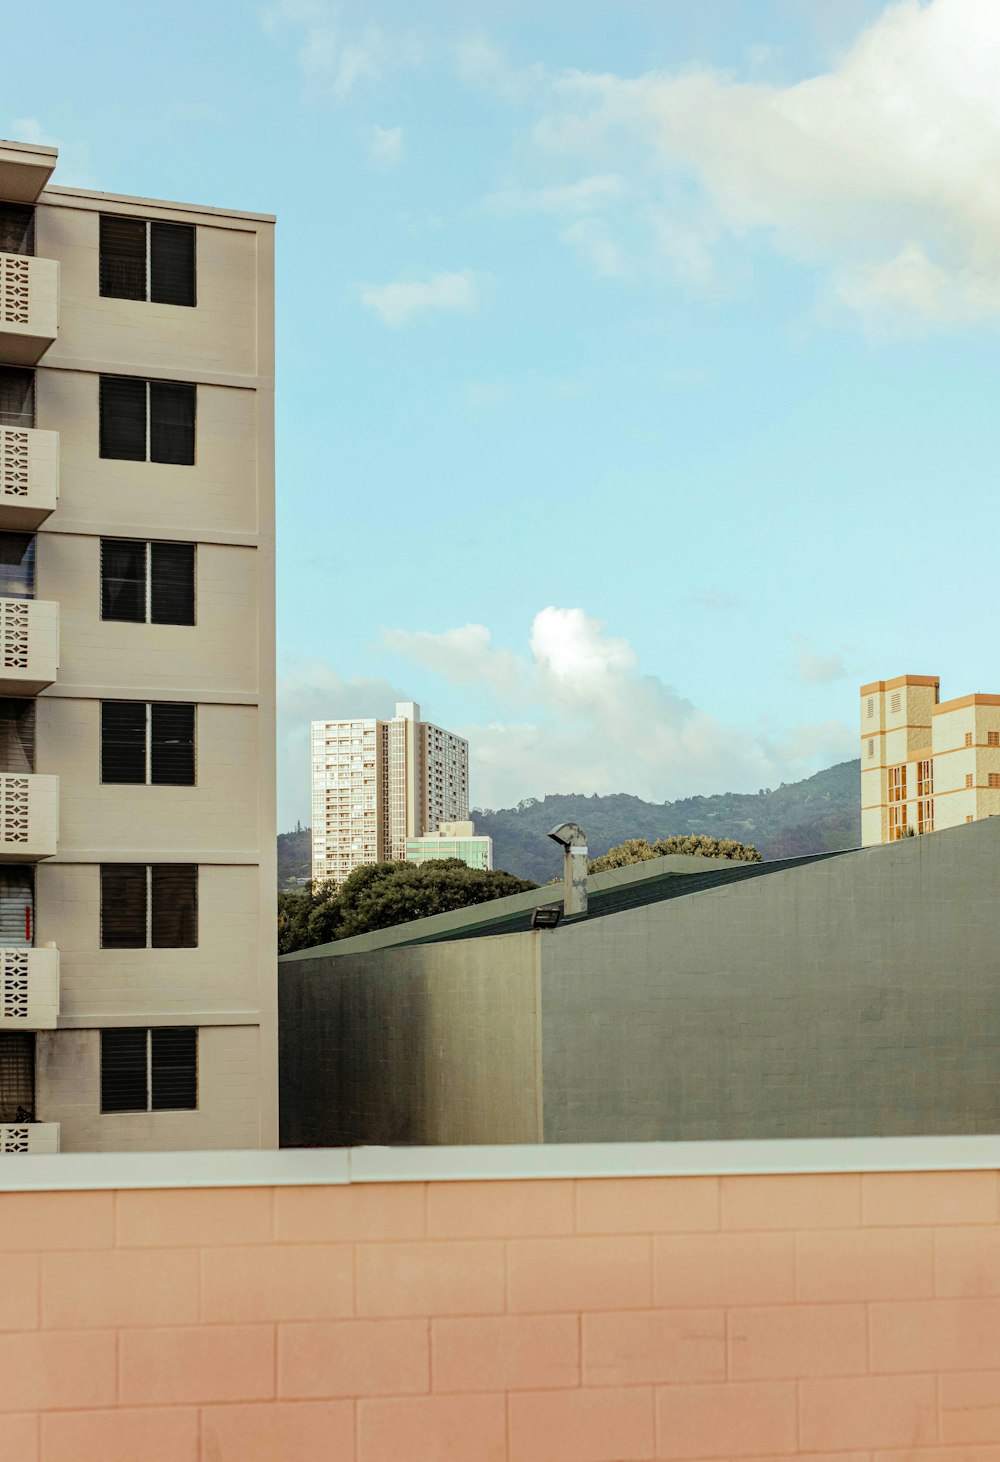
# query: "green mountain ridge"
817,815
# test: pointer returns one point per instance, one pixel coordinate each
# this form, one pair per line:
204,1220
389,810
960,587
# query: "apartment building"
376,784
452,840
926,763
137,834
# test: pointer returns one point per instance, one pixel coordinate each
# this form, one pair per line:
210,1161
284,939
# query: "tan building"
926,763
376,784
137,833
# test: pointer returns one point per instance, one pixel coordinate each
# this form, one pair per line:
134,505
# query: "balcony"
29,307
29,817
29,477
29,989
29,1137
29,645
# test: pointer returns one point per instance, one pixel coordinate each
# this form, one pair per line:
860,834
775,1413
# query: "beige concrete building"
376,784
452,840
137,831
926,763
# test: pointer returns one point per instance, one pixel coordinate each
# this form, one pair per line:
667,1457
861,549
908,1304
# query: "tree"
638,850
307,917
379,895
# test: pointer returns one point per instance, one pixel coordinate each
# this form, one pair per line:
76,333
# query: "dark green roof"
654,889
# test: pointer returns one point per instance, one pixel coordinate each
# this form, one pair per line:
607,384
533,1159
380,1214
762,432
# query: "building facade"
926,763
137,831
452,840
377,784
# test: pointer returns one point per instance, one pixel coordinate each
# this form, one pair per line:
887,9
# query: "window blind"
175,905
174,1068
17,906
17,1076
123,906
124,1070
172,263
171,422
123,741
17,397
17,565
123,257
123,580
123,418
17,736
172,583
171,746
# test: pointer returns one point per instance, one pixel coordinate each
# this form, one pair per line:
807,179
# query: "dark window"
123,580
124,1070
146,260
146,743
123,258
148,420
149,1070
17,907
170,597
130,890
172,583
123,741
172,263
123,418
17,228
171,422
17,397
124,921
174,1068
175,905
17,736
17,1076
171,745
17,566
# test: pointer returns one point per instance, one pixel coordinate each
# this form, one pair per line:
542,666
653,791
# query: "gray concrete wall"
855,996
430,1044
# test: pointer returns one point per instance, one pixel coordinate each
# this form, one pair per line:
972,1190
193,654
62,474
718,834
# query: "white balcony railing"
29,817
29,307
29,476
29,1137
29,645
29,989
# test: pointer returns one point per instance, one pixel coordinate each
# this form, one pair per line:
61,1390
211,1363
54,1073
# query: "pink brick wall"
597,1320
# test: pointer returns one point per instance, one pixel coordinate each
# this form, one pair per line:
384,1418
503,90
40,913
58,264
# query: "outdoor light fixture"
547,917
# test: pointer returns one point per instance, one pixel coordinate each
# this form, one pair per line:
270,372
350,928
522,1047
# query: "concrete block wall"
547,1319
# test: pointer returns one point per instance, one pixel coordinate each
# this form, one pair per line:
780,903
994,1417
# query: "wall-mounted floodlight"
573,841
547,917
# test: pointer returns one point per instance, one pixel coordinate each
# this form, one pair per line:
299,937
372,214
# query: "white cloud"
817,669
334,59
311,690
586,195
576,714
884,170
385,146
404,300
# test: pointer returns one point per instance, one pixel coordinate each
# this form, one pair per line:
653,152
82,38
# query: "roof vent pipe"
573,841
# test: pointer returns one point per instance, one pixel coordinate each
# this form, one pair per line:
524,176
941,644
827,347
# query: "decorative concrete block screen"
561,1319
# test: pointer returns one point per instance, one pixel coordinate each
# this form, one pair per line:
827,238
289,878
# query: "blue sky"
636,360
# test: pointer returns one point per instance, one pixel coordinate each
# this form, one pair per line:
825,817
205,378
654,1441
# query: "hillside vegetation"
818,815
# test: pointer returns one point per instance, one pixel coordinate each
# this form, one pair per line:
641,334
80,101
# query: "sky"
636,359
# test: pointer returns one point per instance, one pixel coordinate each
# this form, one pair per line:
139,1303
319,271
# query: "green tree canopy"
638,850
379,895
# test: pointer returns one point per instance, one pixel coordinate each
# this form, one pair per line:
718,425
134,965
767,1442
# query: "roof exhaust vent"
573,841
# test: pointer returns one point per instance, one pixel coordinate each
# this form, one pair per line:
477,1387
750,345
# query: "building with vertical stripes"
377,784
137,830
926,763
